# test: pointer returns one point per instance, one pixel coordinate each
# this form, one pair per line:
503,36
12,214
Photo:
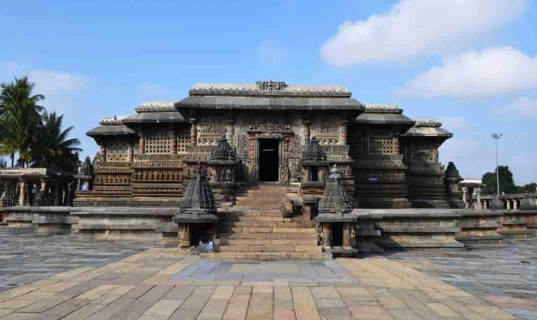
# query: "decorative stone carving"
335,199
270,85
284,173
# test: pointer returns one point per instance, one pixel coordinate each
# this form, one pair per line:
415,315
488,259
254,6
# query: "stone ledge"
488,225
476,238
514,223
115,227
397,229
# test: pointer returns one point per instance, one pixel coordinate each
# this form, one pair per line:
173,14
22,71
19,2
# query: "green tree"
20,120
55,149
530,187
507,184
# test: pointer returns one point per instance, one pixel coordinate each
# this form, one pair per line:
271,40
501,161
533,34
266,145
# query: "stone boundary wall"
390,229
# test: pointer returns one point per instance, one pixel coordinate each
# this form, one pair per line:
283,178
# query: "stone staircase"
262,196
256,229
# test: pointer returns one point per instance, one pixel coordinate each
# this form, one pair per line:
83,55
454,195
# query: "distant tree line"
507,183
30,132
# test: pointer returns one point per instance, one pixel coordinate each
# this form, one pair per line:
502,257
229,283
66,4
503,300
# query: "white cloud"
521,107
61,89
414,28
453,122
476,74
269,52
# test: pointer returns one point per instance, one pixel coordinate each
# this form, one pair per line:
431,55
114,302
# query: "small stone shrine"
197,216
335,220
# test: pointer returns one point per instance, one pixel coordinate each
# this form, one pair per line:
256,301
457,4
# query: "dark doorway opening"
314,173
195,234
337,235
268,160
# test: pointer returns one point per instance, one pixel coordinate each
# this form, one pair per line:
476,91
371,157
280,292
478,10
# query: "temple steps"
270,248
264,234
261,196
266,256
260,242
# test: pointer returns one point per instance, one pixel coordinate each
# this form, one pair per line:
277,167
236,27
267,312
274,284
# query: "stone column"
465,195
130,151
193,132
508,203
22,197
343,127
102,149
515,204
184,235
307,137
172,135
230,131
328,235
56,193
141,142
478,193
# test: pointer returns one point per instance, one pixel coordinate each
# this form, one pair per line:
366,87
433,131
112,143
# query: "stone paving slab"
142,280
505,276
27,256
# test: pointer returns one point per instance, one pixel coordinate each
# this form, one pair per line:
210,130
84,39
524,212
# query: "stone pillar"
172,135
184,235
343,132
102,150
307,136
56,193
230,131
193,132
515,204
347,229
508,204
328,235
465,195
478,193
141,142
22,196
130,151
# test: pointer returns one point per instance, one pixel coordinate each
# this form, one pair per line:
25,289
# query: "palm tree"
55,149
20,119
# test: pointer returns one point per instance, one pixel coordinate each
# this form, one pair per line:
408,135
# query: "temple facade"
385,159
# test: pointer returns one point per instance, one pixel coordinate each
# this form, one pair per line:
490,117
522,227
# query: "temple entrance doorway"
268,159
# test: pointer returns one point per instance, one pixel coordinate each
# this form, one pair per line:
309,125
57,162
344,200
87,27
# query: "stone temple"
386,159
274,170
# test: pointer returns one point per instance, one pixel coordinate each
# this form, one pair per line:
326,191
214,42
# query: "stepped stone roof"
334,198
198,195
384,114
528,203
313,152
269,95
452,172
110,126
269,88
155,117
222,151
156,106
428,128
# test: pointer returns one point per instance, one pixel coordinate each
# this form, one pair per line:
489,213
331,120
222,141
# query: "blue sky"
469,63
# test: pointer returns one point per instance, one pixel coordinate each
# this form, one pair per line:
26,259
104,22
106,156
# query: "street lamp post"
496,137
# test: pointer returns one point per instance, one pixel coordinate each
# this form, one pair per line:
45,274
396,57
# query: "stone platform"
142,280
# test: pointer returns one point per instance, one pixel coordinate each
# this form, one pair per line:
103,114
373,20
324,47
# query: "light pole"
496,137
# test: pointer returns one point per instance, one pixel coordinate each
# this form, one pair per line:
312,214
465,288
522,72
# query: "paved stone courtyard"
72,278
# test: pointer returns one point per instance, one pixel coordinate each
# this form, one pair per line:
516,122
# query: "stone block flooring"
143,280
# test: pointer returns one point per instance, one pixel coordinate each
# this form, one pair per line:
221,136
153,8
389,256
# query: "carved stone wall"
157,140
380,179
117,149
